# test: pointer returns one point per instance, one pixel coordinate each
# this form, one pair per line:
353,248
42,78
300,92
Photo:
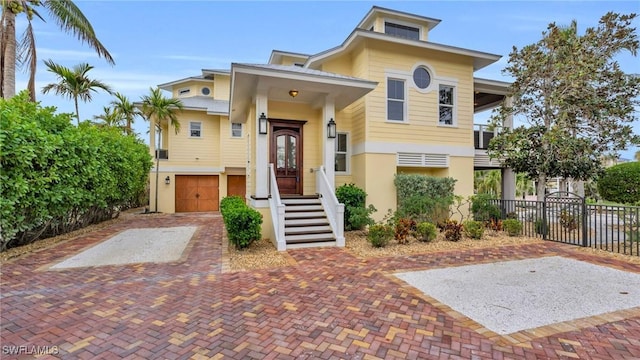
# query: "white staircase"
306,223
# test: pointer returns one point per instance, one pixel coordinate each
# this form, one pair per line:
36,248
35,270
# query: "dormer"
279,57
398,23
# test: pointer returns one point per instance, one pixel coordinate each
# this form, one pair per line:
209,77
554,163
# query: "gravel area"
260,255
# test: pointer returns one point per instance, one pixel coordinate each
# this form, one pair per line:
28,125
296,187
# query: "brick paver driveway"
329,305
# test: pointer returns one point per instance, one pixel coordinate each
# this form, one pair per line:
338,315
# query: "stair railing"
333,208
277,211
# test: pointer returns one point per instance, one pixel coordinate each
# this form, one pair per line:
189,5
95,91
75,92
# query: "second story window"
195,129
184,92
395,100
408,32
446,104
236,130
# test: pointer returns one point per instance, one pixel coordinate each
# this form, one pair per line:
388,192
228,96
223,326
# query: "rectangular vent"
423,160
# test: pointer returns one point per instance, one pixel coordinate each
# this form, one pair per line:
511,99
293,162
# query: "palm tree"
488,182
108,118
13,53
524,185
158,109
74,83
125,110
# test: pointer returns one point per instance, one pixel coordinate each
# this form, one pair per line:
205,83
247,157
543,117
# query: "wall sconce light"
293,93
167,180
262,124
331,129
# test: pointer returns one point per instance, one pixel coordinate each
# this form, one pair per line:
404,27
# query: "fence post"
585,226
544,218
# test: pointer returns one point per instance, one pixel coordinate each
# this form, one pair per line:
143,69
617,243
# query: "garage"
196,193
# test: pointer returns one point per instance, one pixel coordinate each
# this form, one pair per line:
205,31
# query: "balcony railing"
162,154
482,136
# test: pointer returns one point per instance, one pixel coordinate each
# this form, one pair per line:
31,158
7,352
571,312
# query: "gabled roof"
480,59
276,56
363,24
169,85
206,103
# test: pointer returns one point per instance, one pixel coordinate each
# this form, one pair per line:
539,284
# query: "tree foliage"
56,178
577,102
621,183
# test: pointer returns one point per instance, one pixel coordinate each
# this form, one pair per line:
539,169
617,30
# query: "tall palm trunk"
8,62
75,99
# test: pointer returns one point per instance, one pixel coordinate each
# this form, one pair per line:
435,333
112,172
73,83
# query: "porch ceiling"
313,87
488,93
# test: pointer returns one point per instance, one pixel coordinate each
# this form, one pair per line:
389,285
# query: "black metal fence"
567,218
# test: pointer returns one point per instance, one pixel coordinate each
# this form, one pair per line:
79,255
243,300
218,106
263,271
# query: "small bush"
473,229
426,231
568,220
482,208
242,222
494,224
379,235
452,230
424,198
404,227
542,228
621,183
513,227
356,215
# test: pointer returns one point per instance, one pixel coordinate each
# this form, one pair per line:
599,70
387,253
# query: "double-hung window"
342,155
446,104
395,100
236,130
195,129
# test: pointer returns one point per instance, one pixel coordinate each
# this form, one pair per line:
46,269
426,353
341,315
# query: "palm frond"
71,20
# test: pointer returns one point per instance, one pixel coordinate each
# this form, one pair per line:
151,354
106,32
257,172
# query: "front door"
286,156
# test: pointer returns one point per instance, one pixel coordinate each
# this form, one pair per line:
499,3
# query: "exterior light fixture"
331,129
167,180
293,93
262,124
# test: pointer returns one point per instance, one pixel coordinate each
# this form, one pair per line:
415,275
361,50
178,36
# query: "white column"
329,151
262,153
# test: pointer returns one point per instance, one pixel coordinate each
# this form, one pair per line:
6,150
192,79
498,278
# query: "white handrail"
333,208
277,211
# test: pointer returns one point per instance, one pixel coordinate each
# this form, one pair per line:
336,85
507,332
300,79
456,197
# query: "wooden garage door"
196,193
236,185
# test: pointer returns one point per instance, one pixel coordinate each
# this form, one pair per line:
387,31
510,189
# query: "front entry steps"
306,223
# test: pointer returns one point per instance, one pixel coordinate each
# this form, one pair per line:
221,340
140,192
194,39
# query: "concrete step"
293,215
296,201
309,238
298,208
311,244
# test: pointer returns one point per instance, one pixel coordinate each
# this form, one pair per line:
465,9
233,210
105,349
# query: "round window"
206,91
421,77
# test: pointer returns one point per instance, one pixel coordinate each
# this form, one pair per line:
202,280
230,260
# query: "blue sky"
159,41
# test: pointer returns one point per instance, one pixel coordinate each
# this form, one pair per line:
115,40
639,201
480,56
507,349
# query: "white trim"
378,147
185,170
292,76
202,91
481,59
347,154
190,129
405,101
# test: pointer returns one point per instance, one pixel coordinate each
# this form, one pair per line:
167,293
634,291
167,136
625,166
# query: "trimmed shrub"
482,208
513,227
426,231
404,227
379,235
621,183
424,198
356,214
452,230
242,222
473,229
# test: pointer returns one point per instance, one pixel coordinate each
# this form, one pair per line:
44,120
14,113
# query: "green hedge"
356,214
56,178
424,198
242,222
621,183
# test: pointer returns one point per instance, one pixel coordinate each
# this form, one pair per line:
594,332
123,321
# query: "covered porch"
291,114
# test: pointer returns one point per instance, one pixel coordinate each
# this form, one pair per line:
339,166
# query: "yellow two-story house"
286,133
